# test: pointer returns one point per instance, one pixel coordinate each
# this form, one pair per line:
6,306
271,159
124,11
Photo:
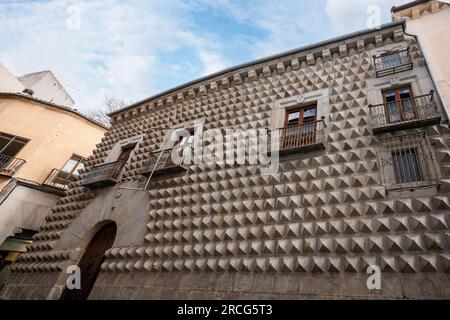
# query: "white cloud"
118,49
213,62
121,46
286,24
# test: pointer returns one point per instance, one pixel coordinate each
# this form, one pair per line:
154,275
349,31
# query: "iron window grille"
407,162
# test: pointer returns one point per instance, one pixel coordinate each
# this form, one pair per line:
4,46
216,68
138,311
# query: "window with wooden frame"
73,165
299,127
70,170
399,104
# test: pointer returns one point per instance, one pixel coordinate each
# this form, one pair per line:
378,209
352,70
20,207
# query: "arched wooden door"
90,262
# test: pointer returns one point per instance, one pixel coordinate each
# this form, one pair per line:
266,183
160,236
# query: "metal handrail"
105,171
59,179
164,159
299,135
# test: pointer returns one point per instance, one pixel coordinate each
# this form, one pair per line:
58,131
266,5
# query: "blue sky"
134,49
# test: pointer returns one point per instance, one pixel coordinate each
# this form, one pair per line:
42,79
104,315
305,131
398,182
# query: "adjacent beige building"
430,22
42,147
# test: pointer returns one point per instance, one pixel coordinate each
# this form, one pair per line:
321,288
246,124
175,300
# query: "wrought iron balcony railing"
391,63
405,113
303,137
59,179
103,175
10,165
166,161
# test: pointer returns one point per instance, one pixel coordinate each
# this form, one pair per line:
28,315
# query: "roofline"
261,60
408,5
53,105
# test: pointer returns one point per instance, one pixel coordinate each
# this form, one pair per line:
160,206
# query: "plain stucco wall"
24,208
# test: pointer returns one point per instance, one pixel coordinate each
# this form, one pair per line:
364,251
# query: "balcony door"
300,127
124,155
69,171
399,104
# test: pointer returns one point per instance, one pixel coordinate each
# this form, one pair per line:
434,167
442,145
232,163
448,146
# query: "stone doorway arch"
91,261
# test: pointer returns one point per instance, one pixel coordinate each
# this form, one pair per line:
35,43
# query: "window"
407,161
300,127
406,166
73,165
399,104
11,145
391,60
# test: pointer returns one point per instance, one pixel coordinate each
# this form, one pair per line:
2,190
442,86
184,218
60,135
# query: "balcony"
391,63
300,138
9,166
59,179
404,114
103,175
165,162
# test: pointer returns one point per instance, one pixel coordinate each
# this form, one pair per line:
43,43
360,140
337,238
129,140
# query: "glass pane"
413,166
408,111
309,113
3,141
394,115
13,148
70,165
389,96
406,166
405,94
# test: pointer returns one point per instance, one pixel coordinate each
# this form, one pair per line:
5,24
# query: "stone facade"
226,231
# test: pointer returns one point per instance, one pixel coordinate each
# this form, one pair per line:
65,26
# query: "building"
362,183
430,22
45,86
42,146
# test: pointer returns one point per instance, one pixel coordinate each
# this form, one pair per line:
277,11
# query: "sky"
134,49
